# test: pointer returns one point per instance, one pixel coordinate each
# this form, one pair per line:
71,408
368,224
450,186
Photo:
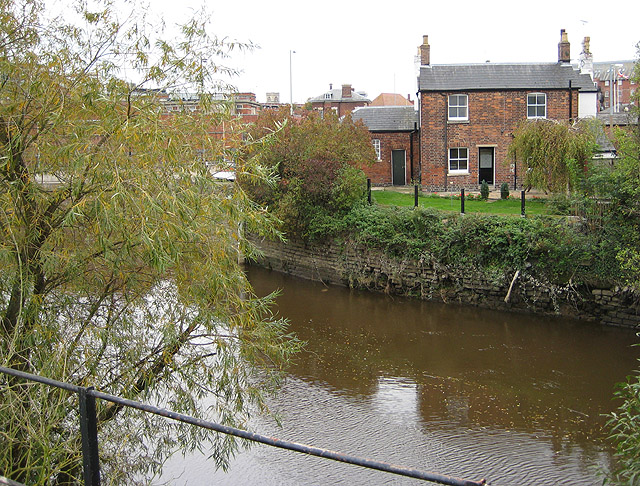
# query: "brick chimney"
564,51
346,90
424,51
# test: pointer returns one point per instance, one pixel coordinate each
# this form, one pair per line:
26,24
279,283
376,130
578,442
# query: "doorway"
398,167
486,165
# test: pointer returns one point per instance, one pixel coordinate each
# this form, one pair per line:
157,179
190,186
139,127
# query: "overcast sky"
371,44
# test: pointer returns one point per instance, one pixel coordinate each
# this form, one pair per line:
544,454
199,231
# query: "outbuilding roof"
387,118
469,77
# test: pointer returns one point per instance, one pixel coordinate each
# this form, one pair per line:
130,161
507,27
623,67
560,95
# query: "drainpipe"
570,102
446,141
419,98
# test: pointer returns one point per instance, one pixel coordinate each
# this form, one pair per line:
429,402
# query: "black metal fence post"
522,212
89,433
415,196
462,201
369,191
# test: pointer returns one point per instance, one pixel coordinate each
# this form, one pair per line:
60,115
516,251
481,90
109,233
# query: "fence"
88,430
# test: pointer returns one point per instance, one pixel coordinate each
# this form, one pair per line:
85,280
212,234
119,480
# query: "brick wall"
493,117
358,267
380,171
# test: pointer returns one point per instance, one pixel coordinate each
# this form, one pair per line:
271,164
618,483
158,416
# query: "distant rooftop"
391,99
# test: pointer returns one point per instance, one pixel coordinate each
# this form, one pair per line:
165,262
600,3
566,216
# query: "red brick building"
468,114
340,101
616,85
394,134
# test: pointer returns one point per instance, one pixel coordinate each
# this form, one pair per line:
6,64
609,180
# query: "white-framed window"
328,96
376,147
536,105
458,160
458,107
606,94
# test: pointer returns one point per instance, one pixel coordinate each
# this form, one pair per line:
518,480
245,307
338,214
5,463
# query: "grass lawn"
492,206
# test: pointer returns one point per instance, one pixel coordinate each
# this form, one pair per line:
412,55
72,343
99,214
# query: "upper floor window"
458,107
376,147
458,160
536,105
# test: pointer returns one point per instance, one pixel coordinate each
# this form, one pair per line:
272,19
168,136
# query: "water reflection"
457,390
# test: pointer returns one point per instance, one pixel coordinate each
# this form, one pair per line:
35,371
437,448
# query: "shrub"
484,190
504,191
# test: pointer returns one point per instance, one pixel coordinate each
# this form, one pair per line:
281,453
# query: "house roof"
468,77
391,99
387,118
620,119
336,95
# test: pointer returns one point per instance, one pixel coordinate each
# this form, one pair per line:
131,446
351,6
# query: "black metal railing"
89,433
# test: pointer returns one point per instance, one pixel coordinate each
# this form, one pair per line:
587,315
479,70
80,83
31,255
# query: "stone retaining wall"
349,265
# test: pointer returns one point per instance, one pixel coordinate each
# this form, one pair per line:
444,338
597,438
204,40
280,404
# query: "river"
461,391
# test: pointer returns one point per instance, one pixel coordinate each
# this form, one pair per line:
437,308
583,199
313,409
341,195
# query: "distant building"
340,101
391,99
615,84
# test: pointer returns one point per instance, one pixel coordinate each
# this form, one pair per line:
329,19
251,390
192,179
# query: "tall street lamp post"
291,80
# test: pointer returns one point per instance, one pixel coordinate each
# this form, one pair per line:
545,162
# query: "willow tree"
118,249
553,154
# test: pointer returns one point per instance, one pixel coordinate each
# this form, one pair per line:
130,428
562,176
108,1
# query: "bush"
625,428
504,191
484,190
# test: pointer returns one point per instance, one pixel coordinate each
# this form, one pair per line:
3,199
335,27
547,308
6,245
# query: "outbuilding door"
398,167
486,165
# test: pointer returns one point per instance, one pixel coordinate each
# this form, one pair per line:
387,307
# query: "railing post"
369,191
522,212
462,201
89,433
415,196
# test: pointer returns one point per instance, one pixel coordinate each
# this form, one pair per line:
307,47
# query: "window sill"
458,122
466,173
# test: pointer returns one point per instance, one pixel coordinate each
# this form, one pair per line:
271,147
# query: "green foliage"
120,272
318,161
625,431
504,191
484,190
548,247
553,154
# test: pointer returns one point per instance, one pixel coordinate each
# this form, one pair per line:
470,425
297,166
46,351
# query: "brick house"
340,101
394,134
469,112
617,85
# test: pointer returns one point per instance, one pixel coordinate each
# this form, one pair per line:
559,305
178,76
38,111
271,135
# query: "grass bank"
473,203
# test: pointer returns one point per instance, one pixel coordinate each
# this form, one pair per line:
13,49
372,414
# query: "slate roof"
387,118
619,119
336,95
469,77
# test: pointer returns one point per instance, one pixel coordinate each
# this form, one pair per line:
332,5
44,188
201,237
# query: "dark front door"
486,165
398,167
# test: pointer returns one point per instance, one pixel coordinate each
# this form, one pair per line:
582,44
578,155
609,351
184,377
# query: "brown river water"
461,391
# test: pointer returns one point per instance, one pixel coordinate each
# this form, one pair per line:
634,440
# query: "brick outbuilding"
394,134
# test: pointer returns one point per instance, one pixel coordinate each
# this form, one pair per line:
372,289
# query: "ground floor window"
376,147
458,160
